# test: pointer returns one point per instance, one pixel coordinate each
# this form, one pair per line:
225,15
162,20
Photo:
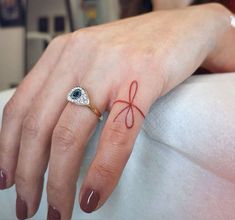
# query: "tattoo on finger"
129,106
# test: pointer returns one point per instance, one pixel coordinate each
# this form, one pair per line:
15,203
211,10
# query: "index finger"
115,146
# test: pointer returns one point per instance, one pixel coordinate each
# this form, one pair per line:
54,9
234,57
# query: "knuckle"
30,126
61,39
56,189
5,151
9,110
78,36
120,55
20,179
105,171
63,137
82,33
82,37
125,50
24,179
116,135
118,50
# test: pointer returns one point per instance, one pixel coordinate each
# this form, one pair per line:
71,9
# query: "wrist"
219,16
220,23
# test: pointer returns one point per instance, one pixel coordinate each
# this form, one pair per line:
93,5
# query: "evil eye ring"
79,96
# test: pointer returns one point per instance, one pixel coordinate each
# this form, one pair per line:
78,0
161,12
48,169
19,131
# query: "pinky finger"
18,106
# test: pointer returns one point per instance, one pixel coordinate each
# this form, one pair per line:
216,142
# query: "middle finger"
70,136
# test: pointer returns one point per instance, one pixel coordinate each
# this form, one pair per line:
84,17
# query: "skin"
40,126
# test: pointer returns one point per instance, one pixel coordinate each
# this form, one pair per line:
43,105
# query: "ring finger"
37,129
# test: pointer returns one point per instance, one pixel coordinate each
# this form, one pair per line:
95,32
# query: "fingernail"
21,208
90,200
53,214
3,180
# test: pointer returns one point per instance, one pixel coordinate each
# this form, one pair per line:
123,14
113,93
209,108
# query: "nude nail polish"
3,180
53,214
90,200
21,208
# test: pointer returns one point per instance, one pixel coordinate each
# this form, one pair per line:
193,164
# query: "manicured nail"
53,214
3,180
21,208
90,200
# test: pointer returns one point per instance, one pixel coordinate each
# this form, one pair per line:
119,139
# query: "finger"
17,107
37,130
68,142
115,146
39,123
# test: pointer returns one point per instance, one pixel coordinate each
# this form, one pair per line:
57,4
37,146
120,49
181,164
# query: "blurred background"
27,27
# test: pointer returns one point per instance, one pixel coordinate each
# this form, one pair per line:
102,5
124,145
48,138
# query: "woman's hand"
125,66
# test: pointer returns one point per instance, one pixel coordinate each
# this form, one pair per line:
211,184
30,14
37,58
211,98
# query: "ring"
79,96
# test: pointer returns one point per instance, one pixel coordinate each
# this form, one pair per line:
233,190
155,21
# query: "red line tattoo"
130,106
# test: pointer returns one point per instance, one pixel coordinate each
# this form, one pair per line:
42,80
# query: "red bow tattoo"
130,106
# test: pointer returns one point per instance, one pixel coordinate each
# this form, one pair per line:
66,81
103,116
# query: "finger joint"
30,126
105,171
9,110
63,137
116,135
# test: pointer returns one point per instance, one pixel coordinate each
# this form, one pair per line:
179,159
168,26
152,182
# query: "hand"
126,64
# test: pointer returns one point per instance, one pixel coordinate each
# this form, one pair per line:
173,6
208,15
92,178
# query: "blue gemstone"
76,94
